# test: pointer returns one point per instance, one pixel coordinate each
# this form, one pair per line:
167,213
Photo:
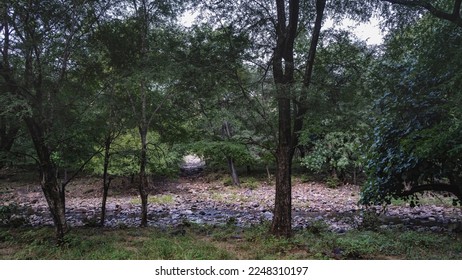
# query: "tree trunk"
143,184
55,198
53,191
268,173
283,74
233,171
282,219
300,108
8,131
144,123
226,132
106,179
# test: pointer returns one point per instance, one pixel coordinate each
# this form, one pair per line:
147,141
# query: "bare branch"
435,187
453,17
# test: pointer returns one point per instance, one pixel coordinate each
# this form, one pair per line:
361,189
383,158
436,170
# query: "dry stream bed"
186,200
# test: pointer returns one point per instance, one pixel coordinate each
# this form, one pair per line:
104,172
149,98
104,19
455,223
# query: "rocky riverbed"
186,200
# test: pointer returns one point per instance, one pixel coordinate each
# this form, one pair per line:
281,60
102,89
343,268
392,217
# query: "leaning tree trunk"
226,132
233,171
54,195
300,107
53,191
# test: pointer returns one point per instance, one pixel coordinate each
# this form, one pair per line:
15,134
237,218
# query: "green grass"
156,199
228,242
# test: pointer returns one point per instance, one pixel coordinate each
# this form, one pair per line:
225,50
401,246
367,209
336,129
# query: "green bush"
337,151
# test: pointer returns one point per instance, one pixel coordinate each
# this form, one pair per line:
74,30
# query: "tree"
138,47
283,74
43,58
417,135
337,124
440,9
273,27
212,72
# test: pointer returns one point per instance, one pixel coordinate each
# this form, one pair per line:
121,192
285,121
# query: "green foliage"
336,122
250,182
417,133
215,153
337,150
163,159
11,215
333,182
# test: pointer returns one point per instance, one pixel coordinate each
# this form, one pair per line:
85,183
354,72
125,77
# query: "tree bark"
226,131
8,133
106,179
233,171
53,191
301,109
283,74
143,184
454,16
282,219
144,122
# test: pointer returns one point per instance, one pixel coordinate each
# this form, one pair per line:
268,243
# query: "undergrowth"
200,242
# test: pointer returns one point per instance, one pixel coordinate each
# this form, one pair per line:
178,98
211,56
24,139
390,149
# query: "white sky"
369,32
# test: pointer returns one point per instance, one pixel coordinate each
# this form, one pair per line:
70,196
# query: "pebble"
337,210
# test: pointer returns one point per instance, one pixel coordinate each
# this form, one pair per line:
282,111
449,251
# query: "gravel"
196,201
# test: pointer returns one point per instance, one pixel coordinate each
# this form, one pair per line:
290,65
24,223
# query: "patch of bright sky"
188,18
369,32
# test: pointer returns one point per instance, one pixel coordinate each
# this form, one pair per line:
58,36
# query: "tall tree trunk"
283,74
106,179
282,219
143,184
144,122
300,107
53,191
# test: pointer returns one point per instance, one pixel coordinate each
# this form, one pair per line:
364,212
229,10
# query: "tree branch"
453,17
63,185
436,187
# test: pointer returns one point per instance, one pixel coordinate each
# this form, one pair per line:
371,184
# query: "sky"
369,32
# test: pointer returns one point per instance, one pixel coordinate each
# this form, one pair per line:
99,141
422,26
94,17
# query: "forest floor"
210,200
213,220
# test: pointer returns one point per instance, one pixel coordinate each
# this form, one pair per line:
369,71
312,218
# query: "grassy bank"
205,242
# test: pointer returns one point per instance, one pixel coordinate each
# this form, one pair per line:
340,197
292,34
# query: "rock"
436,229
268,215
